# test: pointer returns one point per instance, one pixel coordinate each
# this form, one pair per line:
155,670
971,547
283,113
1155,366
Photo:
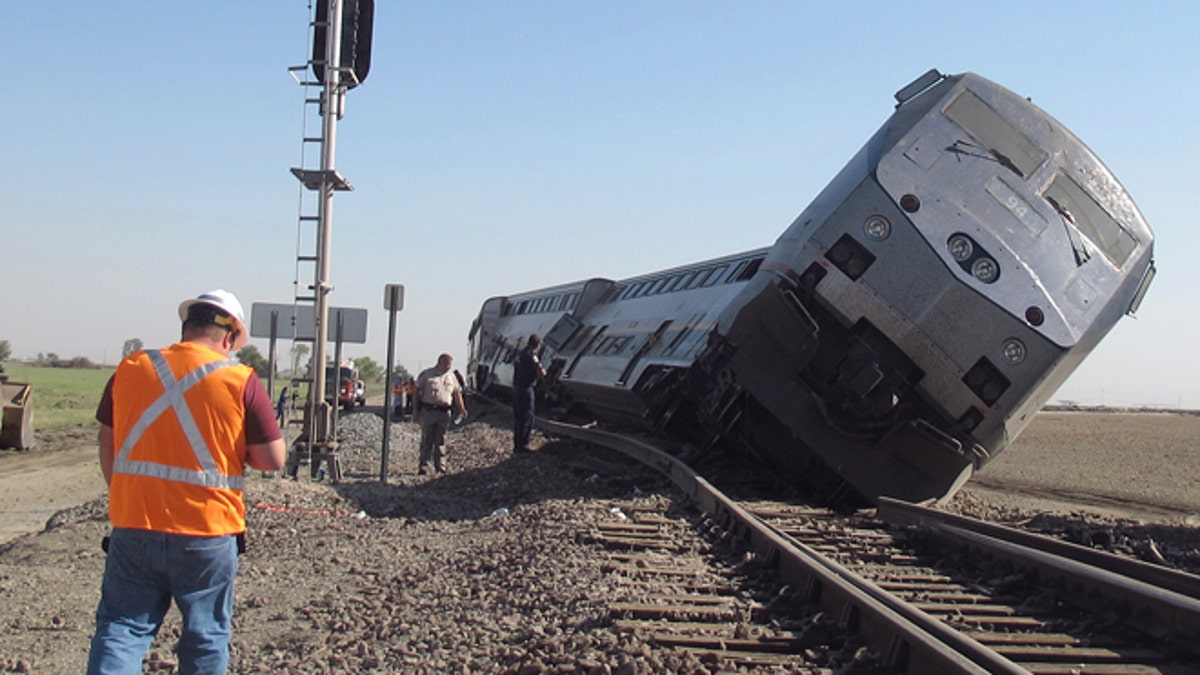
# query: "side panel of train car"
907,325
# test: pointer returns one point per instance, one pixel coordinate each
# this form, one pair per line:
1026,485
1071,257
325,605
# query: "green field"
61,397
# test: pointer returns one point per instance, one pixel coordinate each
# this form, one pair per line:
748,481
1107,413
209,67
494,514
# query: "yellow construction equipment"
17,428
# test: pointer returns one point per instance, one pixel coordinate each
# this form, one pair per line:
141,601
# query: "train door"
586,348
645,349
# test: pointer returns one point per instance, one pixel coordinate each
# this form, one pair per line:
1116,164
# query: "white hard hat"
226,302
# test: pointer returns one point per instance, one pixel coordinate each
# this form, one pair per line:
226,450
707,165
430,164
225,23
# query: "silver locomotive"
899,334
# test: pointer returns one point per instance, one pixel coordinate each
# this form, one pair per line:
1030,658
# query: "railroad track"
900,589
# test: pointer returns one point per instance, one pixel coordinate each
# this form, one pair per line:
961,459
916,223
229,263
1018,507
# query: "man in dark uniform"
527,371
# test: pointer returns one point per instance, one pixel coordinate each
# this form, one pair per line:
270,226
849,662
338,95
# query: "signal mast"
340,61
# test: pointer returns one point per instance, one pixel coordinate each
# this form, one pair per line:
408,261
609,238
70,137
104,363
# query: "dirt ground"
481,570
1137,465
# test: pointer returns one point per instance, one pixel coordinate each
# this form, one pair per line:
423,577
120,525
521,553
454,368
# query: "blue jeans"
144,571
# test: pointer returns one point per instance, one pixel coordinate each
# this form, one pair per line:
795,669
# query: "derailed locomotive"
898,335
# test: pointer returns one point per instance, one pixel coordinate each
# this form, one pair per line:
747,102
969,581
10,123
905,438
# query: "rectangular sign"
299,322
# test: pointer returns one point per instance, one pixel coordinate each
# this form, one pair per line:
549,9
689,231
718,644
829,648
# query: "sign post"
393,301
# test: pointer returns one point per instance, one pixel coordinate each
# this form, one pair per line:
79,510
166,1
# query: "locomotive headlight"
877,228
985,270
1013,351
961,247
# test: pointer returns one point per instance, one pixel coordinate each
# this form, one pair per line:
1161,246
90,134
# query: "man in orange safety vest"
178,426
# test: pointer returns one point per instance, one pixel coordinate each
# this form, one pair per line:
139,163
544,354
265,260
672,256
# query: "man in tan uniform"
438,393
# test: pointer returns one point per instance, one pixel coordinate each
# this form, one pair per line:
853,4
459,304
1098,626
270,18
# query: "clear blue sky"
503,146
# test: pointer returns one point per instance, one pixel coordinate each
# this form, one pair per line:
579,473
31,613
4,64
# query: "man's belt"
439,408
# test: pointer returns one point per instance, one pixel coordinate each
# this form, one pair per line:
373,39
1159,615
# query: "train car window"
999,139
604,346
613,344
670,349
715,275
698,280
748,271
522,306
562,331
579,338
1079,209
657,287
672,282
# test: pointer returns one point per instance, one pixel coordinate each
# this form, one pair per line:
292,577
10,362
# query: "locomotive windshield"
1081,211
995,135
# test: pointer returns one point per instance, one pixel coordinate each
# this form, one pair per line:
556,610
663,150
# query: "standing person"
437,393
281,407
527,371
178,426
410,393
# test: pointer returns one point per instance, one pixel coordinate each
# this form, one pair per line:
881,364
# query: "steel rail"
903,513
900,633
1147,592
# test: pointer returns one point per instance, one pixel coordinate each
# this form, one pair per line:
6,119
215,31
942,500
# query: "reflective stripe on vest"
172,397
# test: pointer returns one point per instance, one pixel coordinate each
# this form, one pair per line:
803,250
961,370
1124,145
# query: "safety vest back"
179,439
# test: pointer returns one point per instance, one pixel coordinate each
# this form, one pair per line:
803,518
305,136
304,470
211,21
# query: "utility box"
17,428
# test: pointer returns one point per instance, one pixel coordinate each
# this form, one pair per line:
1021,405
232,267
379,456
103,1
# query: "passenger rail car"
897,336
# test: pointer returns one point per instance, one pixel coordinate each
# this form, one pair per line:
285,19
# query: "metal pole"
387,395
337,375
330,108
271,355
